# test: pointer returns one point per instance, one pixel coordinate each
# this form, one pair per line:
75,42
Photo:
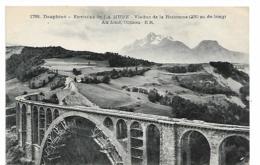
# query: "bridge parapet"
137,116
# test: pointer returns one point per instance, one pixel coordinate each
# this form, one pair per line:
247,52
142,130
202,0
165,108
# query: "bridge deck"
138,116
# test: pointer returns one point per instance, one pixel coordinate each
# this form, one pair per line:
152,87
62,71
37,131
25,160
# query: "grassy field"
160,80
108,97
105,96
15,88
67,64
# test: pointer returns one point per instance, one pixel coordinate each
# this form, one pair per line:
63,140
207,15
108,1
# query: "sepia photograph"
125,85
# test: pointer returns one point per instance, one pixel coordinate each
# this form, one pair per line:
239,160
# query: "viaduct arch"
121,153
128,132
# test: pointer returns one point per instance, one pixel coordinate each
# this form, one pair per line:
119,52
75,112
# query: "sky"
90,34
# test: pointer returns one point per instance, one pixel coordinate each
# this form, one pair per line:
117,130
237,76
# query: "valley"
214,92
136,89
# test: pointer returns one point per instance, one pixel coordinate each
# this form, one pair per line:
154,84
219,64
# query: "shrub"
127,109
124,87
153,95
114,74
14,153
244,90
76,72
53,99
244,94
130,73
58,82
95,80
194,67
106,79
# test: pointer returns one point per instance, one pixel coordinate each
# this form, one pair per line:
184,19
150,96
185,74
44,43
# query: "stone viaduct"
122,136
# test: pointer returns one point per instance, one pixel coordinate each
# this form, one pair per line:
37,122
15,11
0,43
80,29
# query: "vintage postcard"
127,85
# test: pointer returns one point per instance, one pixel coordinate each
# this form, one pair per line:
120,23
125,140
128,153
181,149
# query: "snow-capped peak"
155,39
152,39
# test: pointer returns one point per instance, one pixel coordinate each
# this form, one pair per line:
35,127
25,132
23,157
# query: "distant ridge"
165,49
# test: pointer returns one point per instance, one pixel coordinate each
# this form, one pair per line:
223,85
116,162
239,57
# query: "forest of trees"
114,74
184,69
227,69
19,65
233,114
94,80
105,76
116,60
183,108
25,73
58,81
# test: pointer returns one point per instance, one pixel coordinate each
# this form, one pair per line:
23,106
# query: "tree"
114,74
153,95
106,79
7,99
76,72
53,99
43,83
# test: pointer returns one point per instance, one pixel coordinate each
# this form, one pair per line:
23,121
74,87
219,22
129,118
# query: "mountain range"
164,49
